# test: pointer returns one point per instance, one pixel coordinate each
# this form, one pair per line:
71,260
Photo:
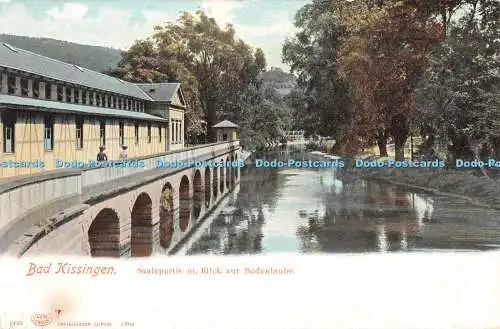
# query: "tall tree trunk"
399,131
382,146
497,148
211,117
382,142
399,147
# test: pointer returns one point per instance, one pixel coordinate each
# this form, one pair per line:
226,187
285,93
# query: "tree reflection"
239,231
365,216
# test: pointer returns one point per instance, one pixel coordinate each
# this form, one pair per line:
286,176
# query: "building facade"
51,110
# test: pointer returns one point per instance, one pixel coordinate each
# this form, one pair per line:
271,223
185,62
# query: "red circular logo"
41,319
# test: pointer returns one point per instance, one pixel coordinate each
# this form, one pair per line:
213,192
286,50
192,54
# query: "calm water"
313,210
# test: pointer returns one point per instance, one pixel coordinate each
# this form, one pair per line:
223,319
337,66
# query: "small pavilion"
226,130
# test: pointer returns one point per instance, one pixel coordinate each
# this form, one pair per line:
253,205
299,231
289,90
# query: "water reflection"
317,210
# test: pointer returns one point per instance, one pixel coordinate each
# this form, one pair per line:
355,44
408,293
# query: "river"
314,211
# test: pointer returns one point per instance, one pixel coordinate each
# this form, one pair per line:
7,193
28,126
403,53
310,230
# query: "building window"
136,133
224,137
108,100
92,98
36,89
113,101
76,93
11,84
98,99
178,132
119,103
48,140
9,123
84,97
24,87
79,132
48,90
102,132
122,133
60,93
159,134
172,135
68,95
149,133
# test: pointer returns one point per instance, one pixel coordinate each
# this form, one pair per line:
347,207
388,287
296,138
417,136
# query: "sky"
117,23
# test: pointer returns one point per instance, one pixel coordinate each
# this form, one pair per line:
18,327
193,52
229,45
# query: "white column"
41,84
3,83
72,94
53,91
80,96
30,88
18,86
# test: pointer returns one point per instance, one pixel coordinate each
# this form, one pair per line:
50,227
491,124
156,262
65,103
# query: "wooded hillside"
91,57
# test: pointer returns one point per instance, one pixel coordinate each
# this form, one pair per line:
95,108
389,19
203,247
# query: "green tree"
149,61
383,59
457,102
213,65
319,100
222,64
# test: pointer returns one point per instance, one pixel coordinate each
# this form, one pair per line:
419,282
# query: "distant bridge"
294,135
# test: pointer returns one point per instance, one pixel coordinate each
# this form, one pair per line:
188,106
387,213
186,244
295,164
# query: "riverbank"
478,190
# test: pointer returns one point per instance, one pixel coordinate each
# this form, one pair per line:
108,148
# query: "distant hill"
91,57
279,79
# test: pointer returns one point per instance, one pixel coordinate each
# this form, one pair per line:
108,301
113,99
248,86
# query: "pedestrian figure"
101,156
123,152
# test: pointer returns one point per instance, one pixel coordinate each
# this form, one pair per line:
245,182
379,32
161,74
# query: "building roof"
226,124
53,106
162,91
23,60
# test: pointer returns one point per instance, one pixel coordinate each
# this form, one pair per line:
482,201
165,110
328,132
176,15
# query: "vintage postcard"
250,164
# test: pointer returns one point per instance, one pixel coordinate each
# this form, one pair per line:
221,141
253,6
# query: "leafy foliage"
370,70
457,102
220,74
319,99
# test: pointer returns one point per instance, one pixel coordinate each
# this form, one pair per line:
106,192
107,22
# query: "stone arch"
141,244
208,191
215,183
197,194
222,170
184,203
166,215
104,234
